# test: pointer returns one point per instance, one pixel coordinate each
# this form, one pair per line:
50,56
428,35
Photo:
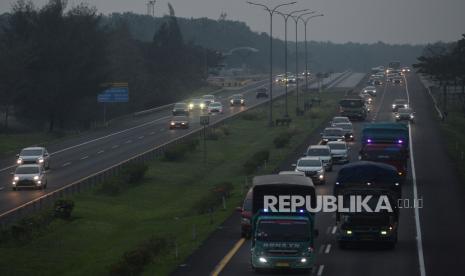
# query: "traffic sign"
204,120
114,95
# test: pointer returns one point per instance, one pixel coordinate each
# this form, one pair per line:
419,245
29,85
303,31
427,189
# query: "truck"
365,178
282,239
385,133
392,154
353,107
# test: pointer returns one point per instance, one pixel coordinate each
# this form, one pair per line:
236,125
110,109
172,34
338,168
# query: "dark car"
397,81
179,122
405,114
180,109
399,103
246,215
348,130
262,92
237,99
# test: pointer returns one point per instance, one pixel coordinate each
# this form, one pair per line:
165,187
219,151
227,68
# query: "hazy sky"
391,21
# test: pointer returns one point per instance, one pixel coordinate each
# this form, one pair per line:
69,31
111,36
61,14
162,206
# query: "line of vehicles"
285,239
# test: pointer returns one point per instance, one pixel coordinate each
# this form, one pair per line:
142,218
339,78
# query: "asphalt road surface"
430,238
76,158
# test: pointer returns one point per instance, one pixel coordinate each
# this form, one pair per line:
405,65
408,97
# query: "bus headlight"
262,260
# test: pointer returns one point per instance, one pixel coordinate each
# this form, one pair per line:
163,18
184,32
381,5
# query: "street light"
286,17
271,11
296,20
305,21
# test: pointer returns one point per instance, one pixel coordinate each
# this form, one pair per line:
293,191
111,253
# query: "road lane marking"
84,157
221,265
421,259
141,137
100,152
66,164
328,248
328,230
128,141
334,230
380,103
115,146
152,133
2,188
320,270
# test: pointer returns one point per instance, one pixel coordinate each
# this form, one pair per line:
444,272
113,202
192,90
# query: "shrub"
214,198
282,139
63,208
133,261
255,161
134,173
111,187
177,152
250,116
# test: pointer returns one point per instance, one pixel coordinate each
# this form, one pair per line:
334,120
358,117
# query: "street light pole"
286,17
271,11
296,20
305,21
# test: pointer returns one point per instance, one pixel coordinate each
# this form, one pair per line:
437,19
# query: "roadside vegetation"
150,223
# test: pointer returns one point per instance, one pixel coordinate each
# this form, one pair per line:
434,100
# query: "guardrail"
92,180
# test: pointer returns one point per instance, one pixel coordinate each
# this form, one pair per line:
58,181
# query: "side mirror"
316,233
294,165
239,209
17,155
304,154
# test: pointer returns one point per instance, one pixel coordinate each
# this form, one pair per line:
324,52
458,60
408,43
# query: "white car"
339,151
338,120
34,155
370,90
324,153
291,173
208,99
312,167
32,176
215,107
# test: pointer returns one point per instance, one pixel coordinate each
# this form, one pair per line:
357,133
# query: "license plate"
281,264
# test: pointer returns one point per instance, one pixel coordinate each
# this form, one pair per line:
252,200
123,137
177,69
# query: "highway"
76,158
430,238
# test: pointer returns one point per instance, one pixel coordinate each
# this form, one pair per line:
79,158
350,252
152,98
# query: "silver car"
339,151
312,167
34,155
29,176
323,152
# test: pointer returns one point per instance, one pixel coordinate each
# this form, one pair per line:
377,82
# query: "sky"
364,21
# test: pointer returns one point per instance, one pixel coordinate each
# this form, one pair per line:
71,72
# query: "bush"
63,208
134,173
250,116
214,198
111,186
282,139
177,152
26,228
133,261
255,161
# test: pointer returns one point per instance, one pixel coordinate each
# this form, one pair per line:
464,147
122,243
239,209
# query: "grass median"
166,205
454,131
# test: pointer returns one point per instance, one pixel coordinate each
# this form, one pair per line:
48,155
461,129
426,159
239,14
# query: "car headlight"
411,116
172,123
262,260
303,260
36,177
349,232
242,100
245,220
191,105
202,105
19,161
15,178
393,106
232,101
383,232
406,105
397,116
40,160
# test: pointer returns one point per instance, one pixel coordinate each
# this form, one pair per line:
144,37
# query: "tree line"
445,63
55,60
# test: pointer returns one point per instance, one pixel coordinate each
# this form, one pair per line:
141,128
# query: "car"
370,90
323,152
399,103
246,215
405,114
397,81
378,82
237,99
348,130
207,99
291,173
29,176
405,69
312,167
179,122
197,104
332,134
215,107
367,98
261,92
180,109
339,151
34,155
339,119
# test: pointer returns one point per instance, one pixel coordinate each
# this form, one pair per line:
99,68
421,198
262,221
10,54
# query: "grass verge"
454,130
164,205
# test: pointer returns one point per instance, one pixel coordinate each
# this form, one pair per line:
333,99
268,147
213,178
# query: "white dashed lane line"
100,152
141,137
328,248
320,270
128,141
66,164
152,133
115,146
334,230
84,157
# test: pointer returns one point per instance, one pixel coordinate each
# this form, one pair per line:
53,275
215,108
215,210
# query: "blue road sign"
114,95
